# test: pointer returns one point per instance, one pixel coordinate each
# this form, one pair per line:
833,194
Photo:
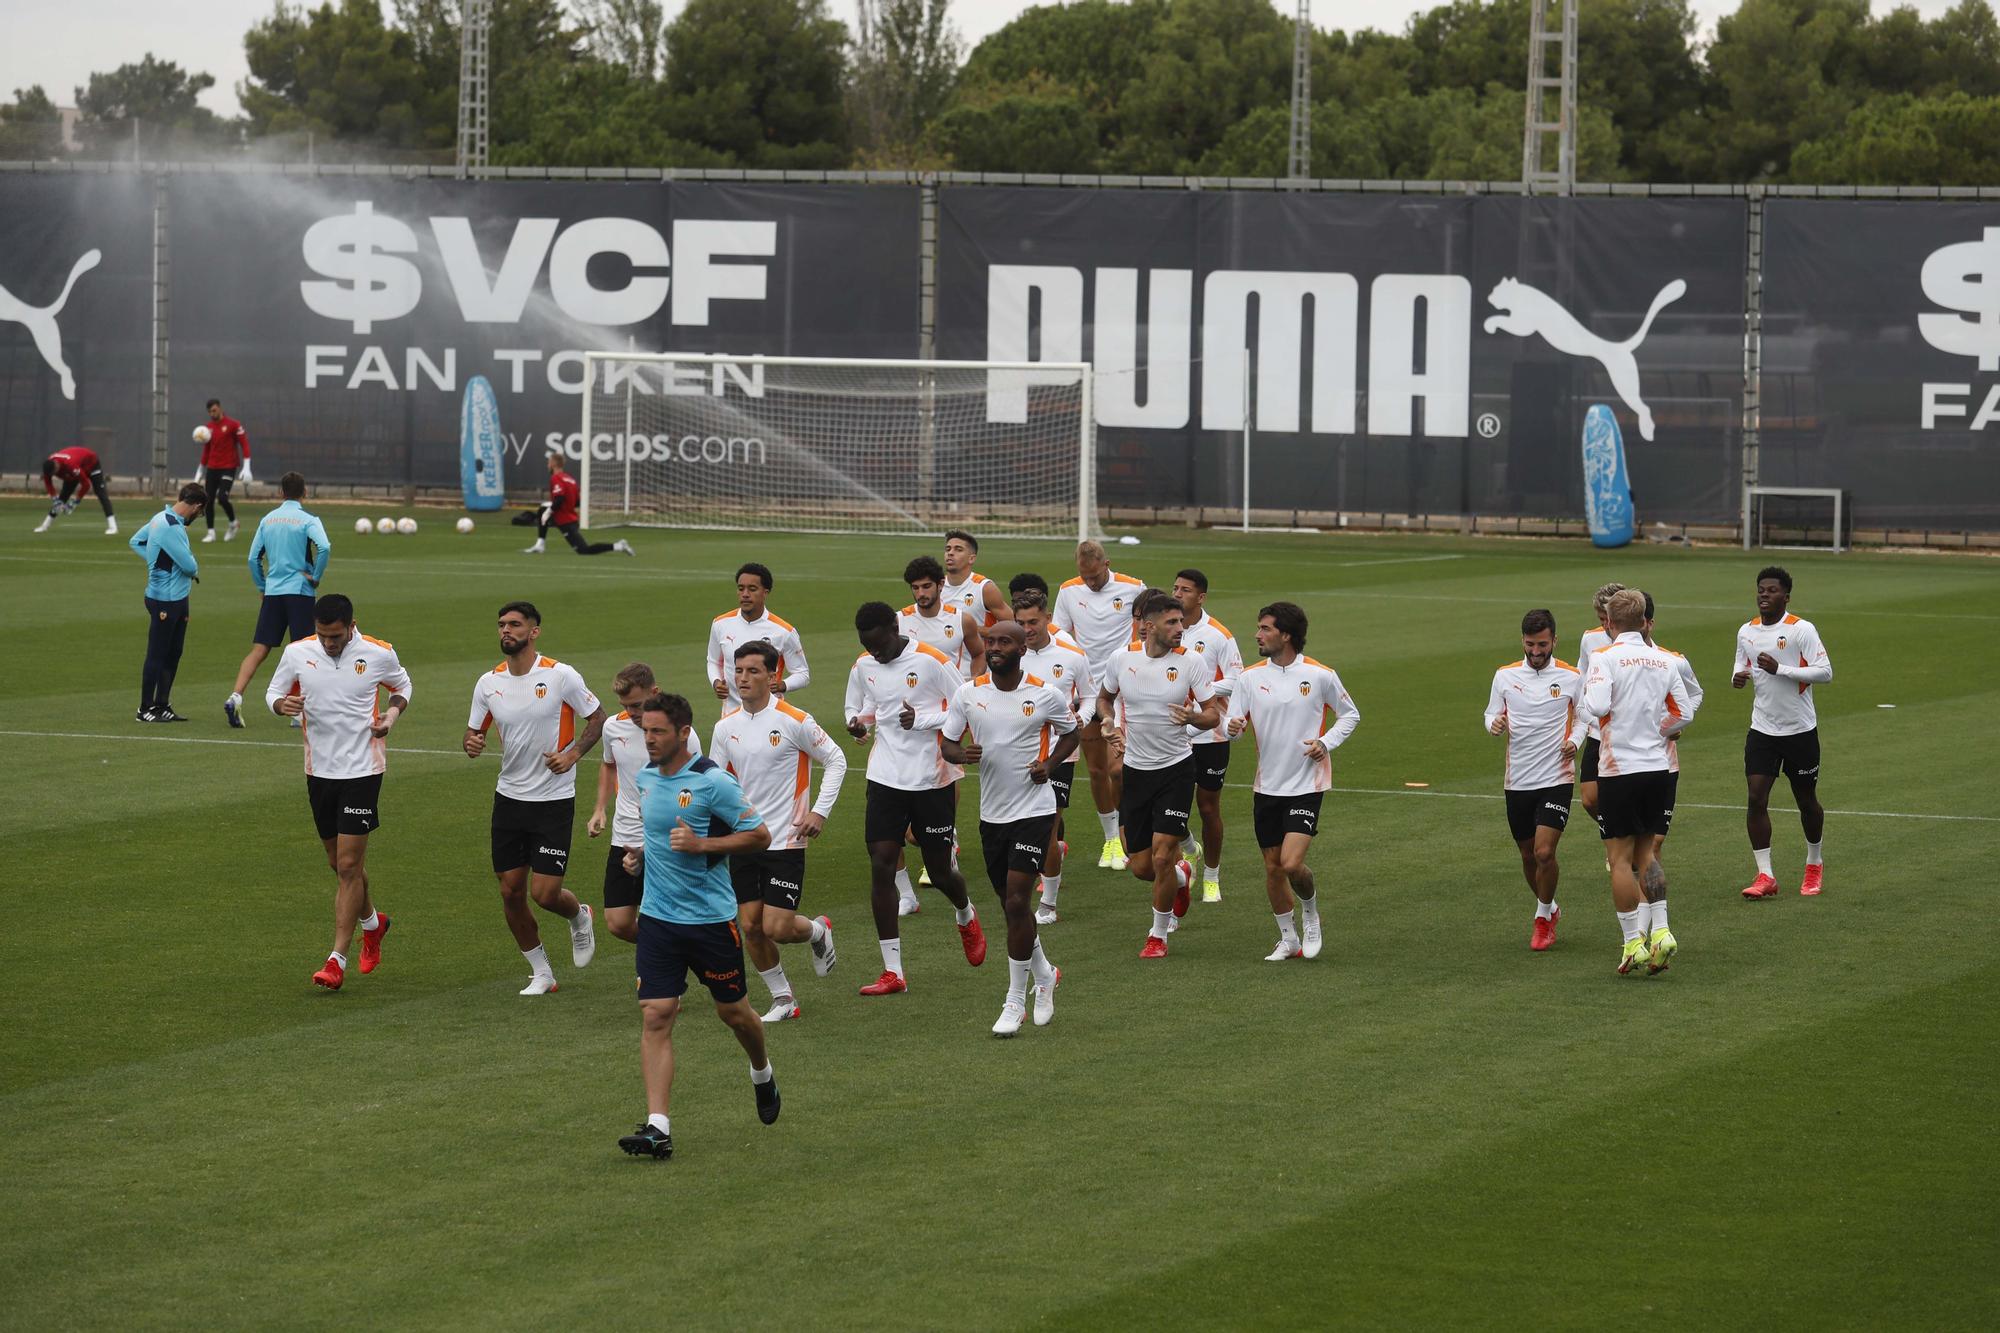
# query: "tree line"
1800,91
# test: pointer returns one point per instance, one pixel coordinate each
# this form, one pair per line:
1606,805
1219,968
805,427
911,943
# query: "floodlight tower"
1551,101
476,18
1298,164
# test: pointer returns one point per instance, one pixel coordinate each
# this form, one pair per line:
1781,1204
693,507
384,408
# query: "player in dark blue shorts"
287,561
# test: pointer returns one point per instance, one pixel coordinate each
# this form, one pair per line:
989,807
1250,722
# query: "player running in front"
1059,661
1784,725
1533,703
561,512
769,746
753,622
1594,640
1653,895
1286,697
930,619
1635,692
902,688
618,786
287,561
535,701
1094,609
696,817
1211,638
1018,729
225,458
332,682
80,473
967,590
1156,689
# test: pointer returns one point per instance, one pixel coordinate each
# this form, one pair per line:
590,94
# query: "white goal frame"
1086,492
1752,515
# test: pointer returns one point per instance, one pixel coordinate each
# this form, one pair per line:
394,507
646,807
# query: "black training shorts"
1586,760
1018,846
621,888
667,951
1272,817
345,805
775,878
1155,801
1543,807
280,614
1632,804
1211,764
1061,778
930,815
534,834
1797,756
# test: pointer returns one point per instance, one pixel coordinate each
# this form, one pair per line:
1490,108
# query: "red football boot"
1156,947
1186,873
1545,933
371,945
1810,888
974,940
1761,887
331,975
886,984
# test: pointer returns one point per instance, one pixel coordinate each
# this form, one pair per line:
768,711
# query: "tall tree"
156,96
760,81
345,74
30,127
906,55
631,34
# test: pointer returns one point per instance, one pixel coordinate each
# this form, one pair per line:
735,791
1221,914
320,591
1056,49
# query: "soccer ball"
201,435
407,526
465,525
363,526
385,525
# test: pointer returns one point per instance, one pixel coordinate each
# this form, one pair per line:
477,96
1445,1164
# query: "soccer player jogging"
618,784
1156,689
1062,664
901,689
947,627
969,591
79,471
752,622
535,701
1783,658
287,561
225,456
1653,893
1635,692
1095,610
1018,729
695,818
332,681
1285,698
768,746
1211,638
1593,640
171,573
1533,703
560,512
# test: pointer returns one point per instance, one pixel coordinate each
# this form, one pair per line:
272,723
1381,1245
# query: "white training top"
944,631
624,742
730,631
970,596
1784,702
1063,665
1099,620
1635,692
341,695
536,713
1145,688
1212,639
1013,728
907,760
770,754
1594,640
1287,707
1695,696
1540,708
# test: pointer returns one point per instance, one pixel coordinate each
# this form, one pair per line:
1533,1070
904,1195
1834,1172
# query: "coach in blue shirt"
696,818
287,560
171,572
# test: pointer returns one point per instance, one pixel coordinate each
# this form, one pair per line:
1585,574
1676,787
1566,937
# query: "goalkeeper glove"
245,476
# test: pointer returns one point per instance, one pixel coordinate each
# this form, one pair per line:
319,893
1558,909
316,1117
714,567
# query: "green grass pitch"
1428,1126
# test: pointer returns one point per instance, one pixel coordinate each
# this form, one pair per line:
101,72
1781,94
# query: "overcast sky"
58,45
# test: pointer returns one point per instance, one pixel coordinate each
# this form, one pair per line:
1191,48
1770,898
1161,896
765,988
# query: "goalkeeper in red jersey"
560,512
79,471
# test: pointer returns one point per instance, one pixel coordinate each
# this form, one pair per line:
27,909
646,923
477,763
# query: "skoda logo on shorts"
775,738
541,690
911,680
1028,708
1173,673
1305,688
686,798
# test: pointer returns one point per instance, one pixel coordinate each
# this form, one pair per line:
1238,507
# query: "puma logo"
41,320
1526,311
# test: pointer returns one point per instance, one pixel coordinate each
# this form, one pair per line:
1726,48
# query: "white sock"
819,931
1110,823
1162,924
1287,932
1051,886
372,921
1309,908
340,958
964,915
1017,977
1812,854
1211,874
892,955
1628,922
1188,845
658,1120
1763,855
1660,915
904,888
762,1076
1543,911
538,959
775,979
1555,908
1645,918
1045,972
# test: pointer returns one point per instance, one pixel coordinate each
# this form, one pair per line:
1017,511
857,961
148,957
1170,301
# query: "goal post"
1796,518
832,444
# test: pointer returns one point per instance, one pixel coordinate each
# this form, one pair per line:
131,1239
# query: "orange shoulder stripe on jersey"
1179,651
1127,578
779,621
380,643
500,670
1220,626
546,662
1791,619
909,610
730,713
1033,680
926,648
624,715
1258,665
566,732
1069,583
792,711
725,615
1566,666
1313,661
1508,666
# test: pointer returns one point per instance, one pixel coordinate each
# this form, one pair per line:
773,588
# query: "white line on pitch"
198,740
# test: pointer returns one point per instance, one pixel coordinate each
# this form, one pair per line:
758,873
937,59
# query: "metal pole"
1086,467
583,464
626,447
1753,355
161,293
1247,428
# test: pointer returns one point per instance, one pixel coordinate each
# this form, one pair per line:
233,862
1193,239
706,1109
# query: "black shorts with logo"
667,951
1544,807
1018,846
776,878
1155,801
534,834
1272,817
289,612
621,887
1798,756
1632,804
1061,778
932,816
345,805
1211,765
1586,760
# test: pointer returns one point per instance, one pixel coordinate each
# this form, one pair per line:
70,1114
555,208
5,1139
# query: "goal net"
800,444
1795,518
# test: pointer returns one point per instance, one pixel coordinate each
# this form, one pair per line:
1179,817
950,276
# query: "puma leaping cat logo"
41,320
1526,311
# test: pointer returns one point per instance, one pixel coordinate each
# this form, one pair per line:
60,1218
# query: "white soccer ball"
1128,540
465,525
201,435
385,525
407,526
363,526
